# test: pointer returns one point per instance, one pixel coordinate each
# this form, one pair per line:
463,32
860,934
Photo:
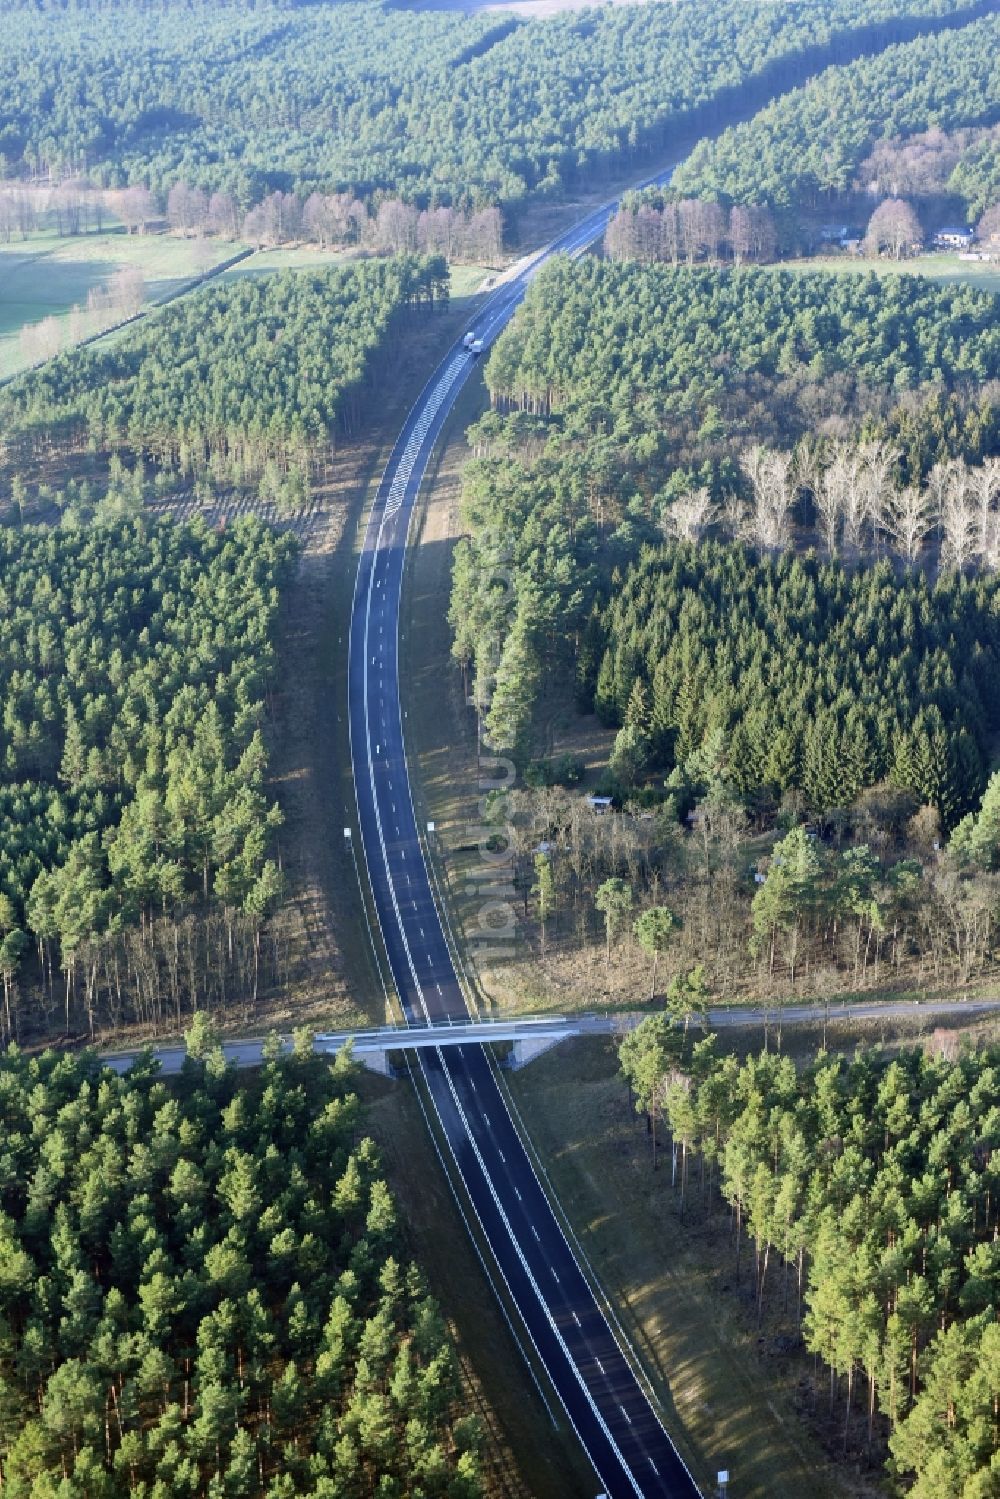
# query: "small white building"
953,237
600,804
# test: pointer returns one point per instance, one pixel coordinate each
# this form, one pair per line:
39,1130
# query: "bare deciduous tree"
764,242
437,231
772,480
690,229
894,227
958,519
127,290
842,499
917,164
187,209
66,203
276,220
17,211
396,226
879,465
482,236
41,340
855,500
741,236
224,215
988,228
136,208
690,515
907,516
737,517
985,485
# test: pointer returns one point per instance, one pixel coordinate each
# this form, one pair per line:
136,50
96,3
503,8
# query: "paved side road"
250,1053
891,1009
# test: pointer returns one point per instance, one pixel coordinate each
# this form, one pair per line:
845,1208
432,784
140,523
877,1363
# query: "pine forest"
137,840
499,522
810,143
204,1290
868,1193
435,108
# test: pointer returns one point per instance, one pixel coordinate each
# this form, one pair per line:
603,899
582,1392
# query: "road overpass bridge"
531,1035
528,1037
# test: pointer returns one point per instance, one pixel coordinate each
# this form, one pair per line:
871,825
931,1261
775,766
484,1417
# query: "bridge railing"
408,1035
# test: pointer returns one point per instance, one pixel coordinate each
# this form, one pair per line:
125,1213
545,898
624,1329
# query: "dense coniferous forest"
646,341
136,837
631,401
976,175
434,107
797,675
235,377
642,415
808,145
753,517
869,1191
204,1290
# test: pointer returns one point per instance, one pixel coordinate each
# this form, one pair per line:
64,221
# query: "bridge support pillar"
376,1061
523,1052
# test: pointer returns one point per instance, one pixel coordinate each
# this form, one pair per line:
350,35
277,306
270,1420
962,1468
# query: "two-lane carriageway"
586,1362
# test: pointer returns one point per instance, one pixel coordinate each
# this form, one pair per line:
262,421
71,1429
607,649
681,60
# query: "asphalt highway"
617,1425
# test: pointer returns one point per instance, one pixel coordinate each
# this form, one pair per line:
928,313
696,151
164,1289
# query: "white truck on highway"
472,343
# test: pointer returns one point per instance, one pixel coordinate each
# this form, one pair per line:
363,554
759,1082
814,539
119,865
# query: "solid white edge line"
388,510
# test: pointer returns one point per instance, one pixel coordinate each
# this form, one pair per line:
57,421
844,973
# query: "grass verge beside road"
340,984
524,1457
737,1399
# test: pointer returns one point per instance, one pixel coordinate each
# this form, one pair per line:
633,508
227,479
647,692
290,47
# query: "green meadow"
47,276
980,273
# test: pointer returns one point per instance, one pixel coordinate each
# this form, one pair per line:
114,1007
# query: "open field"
466,280
979,273
469,280
46,276
289,258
